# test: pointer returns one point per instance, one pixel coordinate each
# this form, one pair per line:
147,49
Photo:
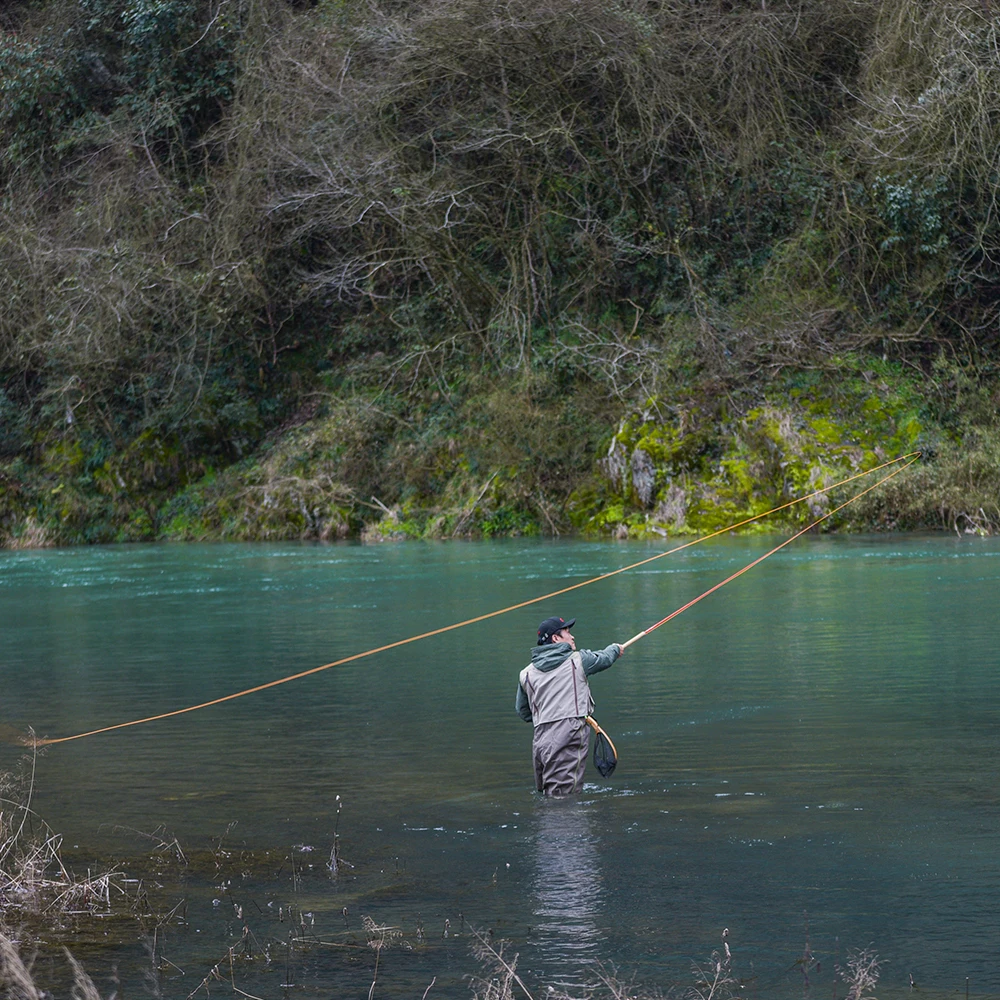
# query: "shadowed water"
821,736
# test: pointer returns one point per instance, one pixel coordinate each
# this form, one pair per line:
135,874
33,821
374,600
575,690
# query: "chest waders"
561,703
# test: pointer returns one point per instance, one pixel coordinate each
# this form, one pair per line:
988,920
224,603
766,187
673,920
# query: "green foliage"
628,267
912,213
509,521
14,426
177,58
37,97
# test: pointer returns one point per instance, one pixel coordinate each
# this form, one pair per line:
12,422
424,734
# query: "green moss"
798,440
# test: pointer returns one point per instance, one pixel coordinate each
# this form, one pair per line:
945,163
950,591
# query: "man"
553,693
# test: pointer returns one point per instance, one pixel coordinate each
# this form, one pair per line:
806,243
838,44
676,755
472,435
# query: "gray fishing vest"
557,694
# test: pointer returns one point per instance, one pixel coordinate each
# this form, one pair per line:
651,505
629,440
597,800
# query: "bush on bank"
288,270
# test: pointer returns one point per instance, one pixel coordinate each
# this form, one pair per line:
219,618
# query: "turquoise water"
820,737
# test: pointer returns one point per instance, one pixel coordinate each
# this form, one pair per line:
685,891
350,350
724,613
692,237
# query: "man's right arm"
521,705
595,662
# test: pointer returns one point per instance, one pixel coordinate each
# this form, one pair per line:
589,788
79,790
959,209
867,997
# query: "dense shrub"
494,231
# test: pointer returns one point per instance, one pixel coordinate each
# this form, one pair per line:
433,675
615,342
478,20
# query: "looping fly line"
909,459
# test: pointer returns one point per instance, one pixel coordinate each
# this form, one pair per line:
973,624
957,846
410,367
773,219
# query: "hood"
551,656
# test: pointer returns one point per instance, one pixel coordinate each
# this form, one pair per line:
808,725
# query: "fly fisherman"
553,694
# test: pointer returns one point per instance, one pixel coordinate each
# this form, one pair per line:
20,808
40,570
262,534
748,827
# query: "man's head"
556,630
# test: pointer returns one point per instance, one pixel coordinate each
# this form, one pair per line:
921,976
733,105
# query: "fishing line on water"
908,458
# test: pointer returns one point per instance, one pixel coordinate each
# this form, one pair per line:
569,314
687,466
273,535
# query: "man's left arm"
594,663
521,704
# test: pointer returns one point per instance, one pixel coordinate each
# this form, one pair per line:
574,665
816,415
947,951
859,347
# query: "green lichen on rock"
675,471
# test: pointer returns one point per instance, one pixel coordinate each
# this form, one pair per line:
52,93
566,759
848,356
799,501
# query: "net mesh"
605,758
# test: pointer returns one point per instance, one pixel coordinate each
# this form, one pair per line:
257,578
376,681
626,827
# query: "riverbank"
530,459
325,270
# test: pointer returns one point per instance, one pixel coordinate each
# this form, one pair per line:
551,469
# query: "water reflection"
568,888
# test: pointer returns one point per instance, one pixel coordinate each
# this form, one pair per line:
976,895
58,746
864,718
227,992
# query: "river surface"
811,750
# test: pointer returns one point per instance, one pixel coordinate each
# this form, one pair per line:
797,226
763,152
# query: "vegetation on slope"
279,269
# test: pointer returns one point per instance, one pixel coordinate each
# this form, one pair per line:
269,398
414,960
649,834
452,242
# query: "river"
812,749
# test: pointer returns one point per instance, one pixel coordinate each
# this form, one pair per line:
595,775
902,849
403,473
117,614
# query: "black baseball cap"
550,626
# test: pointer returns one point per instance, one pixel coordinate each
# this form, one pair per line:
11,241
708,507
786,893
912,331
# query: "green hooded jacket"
549,657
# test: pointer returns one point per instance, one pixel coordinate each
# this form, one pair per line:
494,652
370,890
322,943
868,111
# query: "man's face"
565,636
